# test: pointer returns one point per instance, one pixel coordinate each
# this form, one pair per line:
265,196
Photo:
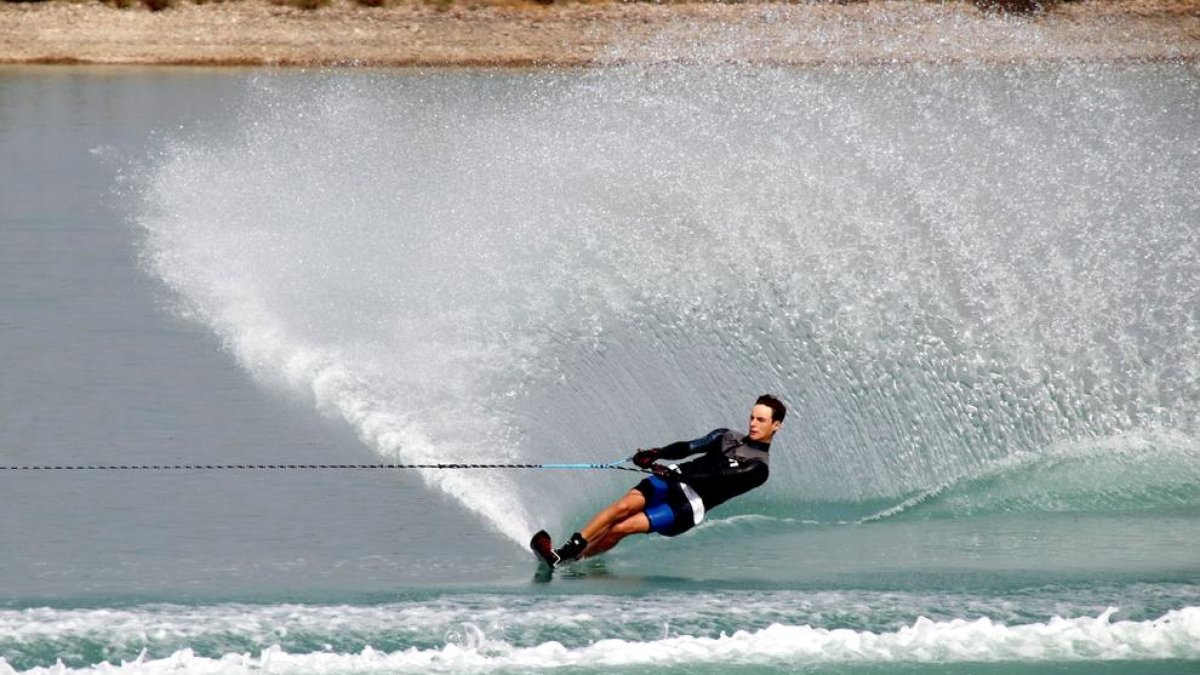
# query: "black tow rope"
258,467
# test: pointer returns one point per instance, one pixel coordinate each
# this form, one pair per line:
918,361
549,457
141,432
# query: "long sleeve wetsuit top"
731,464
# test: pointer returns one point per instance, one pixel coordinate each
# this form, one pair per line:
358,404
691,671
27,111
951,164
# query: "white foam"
1176,635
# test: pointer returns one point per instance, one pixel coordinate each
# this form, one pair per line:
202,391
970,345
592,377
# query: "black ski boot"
572,549
544,549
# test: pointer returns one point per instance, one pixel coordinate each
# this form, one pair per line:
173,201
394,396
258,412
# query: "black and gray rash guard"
731,464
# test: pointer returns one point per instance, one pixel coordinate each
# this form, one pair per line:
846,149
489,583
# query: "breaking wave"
482,634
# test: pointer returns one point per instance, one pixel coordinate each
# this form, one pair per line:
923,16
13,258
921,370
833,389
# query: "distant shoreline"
518,33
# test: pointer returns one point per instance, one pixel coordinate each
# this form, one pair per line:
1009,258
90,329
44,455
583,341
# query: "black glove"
646,458
664,472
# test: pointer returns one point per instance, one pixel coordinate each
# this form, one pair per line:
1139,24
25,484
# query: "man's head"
765,417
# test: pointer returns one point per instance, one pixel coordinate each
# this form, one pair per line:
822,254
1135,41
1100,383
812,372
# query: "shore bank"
519,33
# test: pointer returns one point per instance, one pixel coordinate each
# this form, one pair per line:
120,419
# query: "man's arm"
725,468
681,449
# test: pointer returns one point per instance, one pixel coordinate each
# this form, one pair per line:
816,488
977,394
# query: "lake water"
977,288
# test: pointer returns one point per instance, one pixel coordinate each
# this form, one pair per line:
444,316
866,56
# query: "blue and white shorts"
672,507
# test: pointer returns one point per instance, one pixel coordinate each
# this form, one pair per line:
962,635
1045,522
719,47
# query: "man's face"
762,426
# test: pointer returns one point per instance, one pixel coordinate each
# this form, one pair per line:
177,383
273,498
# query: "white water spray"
937,267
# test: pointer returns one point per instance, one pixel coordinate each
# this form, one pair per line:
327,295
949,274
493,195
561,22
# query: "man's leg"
633,503
581,543
638,523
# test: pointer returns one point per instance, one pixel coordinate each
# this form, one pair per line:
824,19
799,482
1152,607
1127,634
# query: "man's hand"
664,472
646,458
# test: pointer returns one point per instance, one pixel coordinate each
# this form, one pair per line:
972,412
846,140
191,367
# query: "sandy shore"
519,33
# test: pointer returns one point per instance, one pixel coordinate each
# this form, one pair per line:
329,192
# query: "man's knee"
635,524
632,503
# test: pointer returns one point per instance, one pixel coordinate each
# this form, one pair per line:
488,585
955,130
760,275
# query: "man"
677,496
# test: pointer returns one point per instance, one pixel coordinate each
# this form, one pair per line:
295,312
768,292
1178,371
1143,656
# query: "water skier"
677,496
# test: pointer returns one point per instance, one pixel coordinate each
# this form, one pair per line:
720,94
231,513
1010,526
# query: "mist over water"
954,275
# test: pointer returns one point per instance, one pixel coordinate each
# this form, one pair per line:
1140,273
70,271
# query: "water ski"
543,548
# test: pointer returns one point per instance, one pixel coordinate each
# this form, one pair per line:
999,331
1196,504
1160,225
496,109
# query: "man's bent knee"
633,502
630,503
638,523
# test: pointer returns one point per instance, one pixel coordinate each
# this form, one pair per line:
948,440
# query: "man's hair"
778,409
